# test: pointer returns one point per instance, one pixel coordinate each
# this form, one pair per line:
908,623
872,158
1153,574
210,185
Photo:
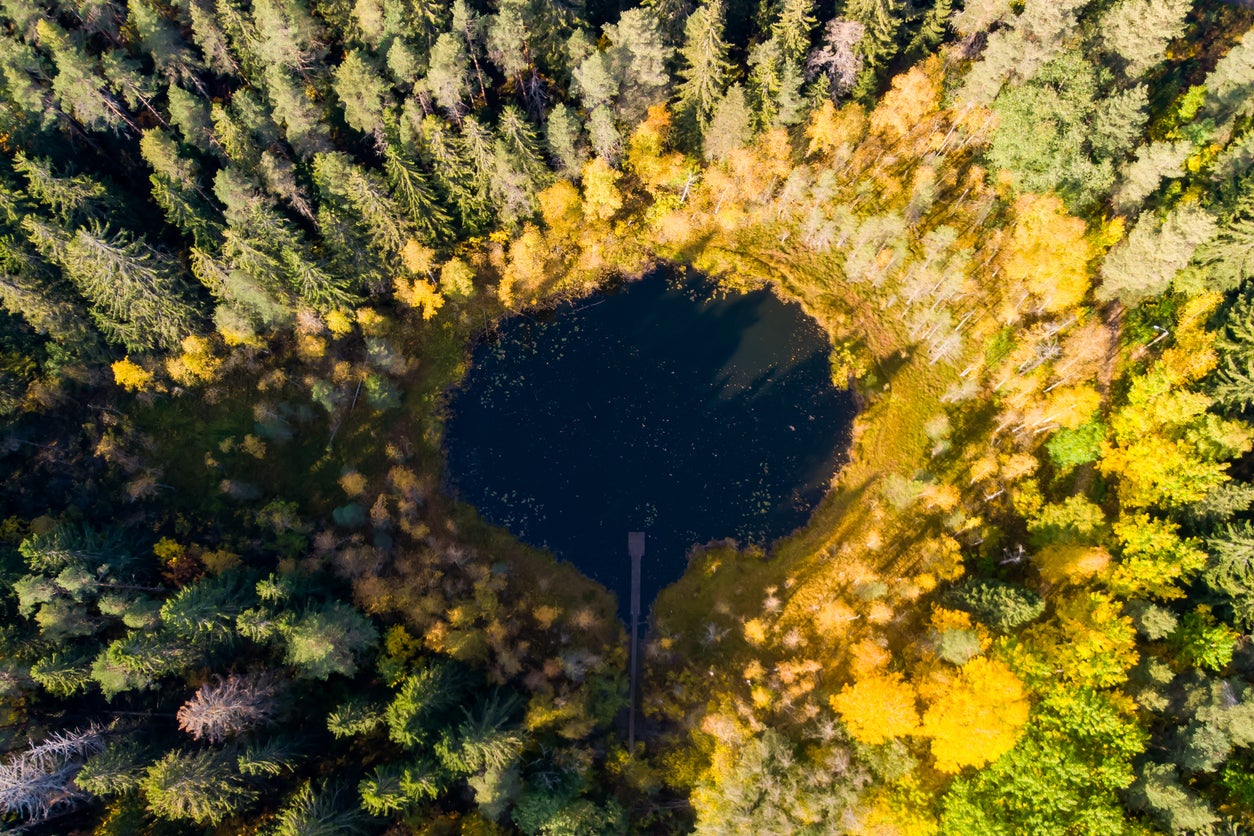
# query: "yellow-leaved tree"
601,197
130,375
1048,253
914,96
878,708
977,718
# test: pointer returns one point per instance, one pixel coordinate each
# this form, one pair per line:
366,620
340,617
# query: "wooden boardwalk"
635,550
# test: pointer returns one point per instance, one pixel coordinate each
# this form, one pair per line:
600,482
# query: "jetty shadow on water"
660,406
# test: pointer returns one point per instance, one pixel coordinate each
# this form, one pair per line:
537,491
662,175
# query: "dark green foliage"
273,757
881,21
396,789
63,674
1159,793
1233,381
421,699
412,190
483,741
204,613
356,717
1230,569
1002,606
1214,716
556,815
704,69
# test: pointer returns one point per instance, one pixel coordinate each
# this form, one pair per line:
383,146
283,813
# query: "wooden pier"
635,550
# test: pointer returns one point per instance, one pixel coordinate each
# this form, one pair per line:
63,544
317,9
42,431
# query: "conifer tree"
704,68
562,138
202,786
363,94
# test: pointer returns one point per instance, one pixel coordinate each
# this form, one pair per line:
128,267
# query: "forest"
246,245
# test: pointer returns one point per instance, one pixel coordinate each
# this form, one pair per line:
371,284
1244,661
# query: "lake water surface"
660,407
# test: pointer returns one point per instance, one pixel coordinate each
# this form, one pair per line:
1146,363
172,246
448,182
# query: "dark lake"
660,406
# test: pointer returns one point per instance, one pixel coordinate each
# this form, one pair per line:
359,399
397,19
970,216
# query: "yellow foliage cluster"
353,483
601,197
197,363
1063,563
417,258
914,96
878,708
977,719
421,295
1088,642
834,132
131,376
339,323
1048,252
1154,559
647,155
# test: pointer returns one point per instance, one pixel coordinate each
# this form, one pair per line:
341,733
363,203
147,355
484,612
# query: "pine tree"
1148,259
288,36
1230,86
792,28
363,94
304,124
468,25
379,220
116,770
484,742
507,38
80,87
731,127
63,674
421,702
562,137
1228,258
1154,163
638,58
201,786
412,191
210,37
137,294
520,139
327,640
704,68
1230,570
447,73
775,83
163,41
454,174
320,812
882,20
1138,31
